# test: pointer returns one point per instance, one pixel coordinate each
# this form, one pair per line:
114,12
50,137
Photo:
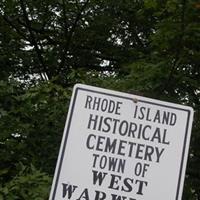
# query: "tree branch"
180,45
33,40
10,23
71,32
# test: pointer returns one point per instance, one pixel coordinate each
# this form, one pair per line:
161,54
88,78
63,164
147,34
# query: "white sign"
118,146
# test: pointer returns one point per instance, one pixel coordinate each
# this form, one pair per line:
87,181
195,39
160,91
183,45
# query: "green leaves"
150,4
146,47
29,183
31,123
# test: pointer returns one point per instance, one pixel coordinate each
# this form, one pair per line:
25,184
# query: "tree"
146,47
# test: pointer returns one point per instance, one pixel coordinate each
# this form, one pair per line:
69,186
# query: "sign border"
68,125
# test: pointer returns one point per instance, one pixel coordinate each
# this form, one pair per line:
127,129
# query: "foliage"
29,183
31,126
145,47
